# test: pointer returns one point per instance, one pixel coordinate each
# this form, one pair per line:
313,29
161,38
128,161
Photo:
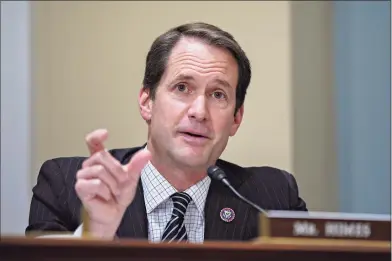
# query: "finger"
112,165
137,163
86,188
99,172
95,140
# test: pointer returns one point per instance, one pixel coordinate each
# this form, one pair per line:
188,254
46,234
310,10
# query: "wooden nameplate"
325,227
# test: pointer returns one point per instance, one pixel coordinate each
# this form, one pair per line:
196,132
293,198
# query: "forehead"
193,56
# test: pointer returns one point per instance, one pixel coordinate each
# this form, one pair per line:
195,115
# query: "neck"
180,177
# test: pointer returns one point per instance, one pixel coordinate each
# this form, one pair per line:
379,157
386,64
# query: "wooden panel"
78,249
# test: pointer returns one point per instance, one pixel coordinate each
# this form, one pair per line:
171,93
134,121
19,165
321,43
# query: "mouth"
194,139
194,135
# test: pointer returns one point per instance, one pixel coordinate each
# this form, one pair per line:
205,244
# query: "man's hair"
161,48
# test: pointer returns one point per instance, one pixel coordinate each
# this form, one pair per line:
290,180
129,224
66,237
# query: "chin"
192,160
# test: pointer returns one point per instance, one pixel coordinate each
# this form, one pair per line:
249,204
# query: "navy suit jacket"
56,207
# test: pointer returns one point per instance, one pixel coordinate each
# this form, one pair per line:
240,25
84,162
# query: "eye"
219,95
181,87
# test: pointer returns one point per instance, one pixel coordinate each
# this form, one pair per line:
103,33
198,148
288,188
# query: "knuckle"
78,175
99,156
79,186
85,162
99,169
104,192
118,168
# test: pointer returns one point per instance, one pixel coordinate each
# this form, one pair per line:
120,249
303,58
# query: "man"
192,99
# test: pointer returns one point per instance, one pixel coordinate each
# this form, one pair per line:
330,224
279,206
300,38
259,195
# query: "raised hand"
105,186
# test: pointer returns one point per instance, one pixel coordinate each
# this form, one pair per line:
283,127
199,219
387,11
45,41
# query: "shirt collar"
157,189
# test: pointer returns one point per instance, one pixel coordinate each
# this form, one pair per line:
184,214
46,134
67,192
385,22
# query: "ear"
145,104
237,121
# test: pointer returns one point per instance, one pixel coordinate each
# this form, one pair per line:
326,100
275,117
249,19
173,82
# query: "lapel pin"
227,214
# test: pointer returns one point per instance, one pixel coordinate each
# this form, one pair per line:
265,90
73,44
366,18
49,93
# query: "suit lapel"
134,223
220,197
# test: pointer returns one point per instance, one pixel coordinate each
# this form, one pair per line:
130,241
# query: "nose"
198,109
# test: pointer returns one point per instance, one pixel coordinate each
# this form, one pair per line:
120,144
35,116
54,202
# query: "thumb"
137,163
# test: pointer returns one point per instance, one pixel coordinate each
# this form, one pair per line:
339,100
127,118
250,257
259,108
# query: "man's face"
192,115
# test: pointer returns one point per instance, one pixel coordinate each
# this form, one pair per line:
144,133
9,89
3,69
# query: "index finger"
95,139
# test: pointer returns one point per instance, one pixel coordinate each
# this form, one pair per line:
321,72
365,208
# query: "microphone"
216,173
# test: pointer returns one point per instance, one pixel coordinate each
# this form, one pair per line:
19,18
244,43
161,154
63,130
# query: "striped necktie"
175,229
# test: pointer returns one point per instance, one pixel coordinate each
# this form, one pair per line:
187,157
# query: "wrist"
101,231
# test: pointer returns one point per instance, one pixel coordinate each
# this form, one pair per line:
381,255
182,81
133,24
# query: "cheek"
223,125
167,112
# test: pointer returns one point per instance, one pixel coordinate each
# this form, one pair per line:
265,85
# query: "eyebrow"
183,77
186,77
223,82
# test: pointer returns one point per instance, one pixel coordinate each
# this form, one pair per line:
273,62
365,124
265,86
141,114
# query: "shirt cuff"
77,233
